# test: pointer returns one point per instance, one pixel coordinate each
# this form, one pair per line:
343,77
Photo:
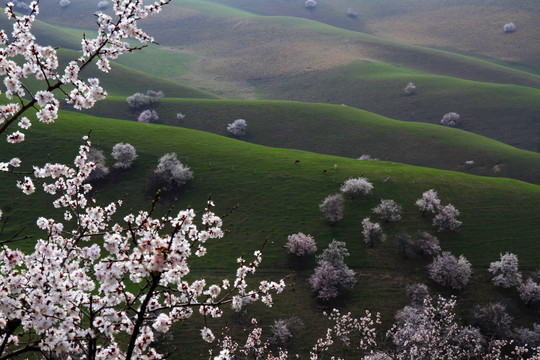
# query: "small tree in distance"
388,210
300,244
351,13
124,154
169,173
148,116
410,89
509,27
427,244
529,292
332,207
356,186
238,127
310,4
450,119
506,271
100,170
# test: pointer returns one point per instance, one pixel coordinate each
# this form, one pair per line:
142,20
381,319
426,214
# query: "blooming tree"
446,219
332,207
169,173
310,4
140,101
372,231
450,271
506,271
148,116
94,288
124,154
429,202
388,210
509,27
357,186
332,276
103,5
450,119
410,89
427,244
493,320
238,127
529,292
100,169
301,244
65,3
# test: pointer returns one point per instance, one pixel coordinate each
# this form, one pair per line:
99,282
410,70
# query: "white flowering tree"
388,210
94,288
356,186
429,202
506,271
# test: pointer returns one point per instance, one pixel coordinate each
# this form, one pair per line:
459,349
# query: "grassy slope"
346,132
277,197
507,113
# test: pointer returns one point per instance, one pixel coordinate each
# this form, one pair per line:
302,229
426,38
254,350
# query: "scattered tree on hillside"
351,13
529,292
371,232
410,89
417,293
103,5
506,271
170,173
527,337
284,330
449,271
139,101
429,202
300,244
65,3
356,186
493,320
180,116
332,276
148,116
446,219
406,245
310,4
332,207
450,119
427,244
100,169
509,27
238,127
124,154
388,210
366,157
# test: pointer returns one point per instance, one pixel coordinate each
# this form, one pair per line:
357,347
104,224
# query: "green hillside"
344,131
277,197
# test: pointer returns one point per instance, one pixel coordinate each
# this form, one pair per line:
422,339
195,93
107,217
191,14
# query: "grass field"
277,197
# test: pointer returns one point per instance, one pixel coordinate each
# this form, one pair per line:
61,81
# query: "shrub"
238,127
310,4
450,119
332,207
509,27
169,173
100,170
124,154
300,244
357,186
506,271
446,219
148,116
449,271
410,89
388,210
